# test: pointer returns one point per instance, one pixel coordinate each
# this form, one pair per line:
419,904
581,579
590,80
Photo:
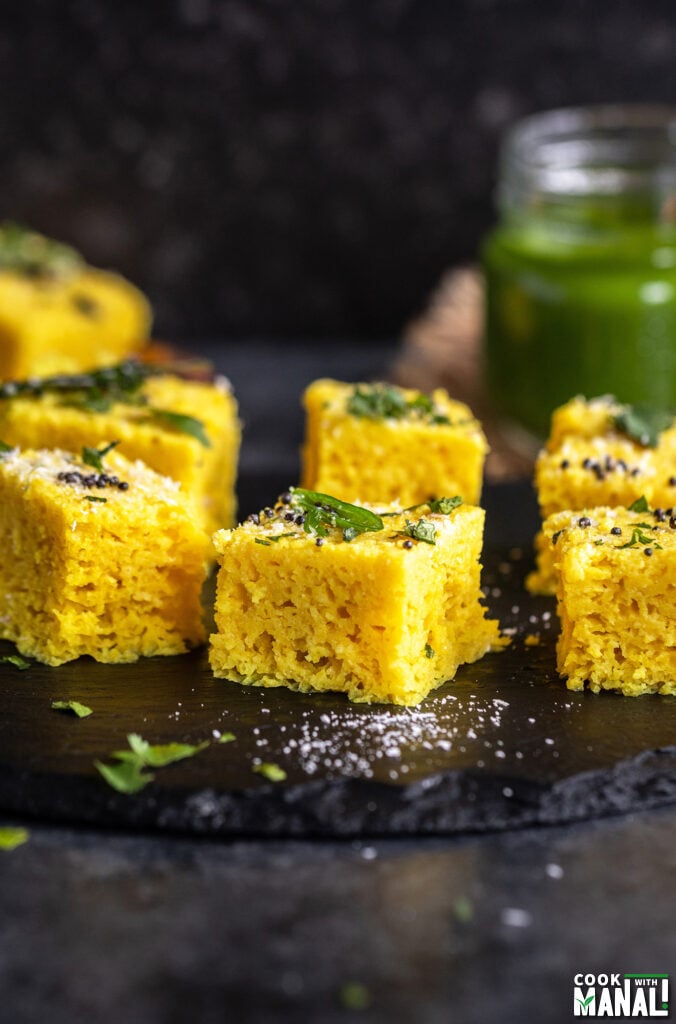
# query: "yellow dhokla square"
377,442
317,595
616,589
187,430
108,563
601,453
58,315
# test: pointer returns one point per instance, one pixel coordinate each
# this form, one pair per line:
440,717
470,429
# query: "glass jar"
581,270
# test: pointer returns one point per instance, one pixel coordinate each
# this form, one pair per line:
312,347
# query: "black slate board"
504,745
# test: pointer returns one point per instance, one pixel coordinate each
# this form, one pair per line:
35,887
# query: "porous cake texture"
616,590
184,429
106,562
316,595
601,453
377,442
59,315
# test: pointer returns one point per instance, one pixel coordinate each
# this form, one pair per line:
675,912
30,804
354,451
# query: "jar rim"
599,150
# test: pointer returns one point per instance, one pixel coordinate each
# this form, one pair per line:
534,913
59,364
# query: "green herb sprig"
423,530
99,390
130,774
94,456
12,836
95,391
27,252
440,506
385,402
640,505
643,424
16,660
639,537
182,423
74,706
271,772
445,505
323,512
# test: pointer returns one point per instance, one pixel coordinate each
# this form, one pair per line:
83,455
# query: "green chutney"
581,299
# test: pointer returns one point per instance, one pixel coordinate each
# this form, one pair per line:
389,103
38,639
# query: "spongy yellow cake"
59,315
616,589
601,453
377,442
316,594
105,562
188,430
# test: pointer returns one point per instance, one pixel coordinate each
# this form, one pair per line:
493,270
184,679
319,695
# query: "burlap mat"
443,348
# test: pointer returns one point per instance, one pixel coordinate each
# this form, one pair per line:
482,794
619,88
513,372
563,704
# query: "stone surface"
483,930
96,925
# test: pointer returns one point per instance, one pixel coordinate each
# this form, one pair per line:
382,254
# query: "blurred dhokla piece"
102,562
188,430
378,442
602,453
615,572
318,595
59,315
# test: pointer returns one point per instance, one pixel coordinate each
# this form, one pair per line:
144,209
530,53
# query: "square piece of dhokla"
188,430
601,453
59,315
378,442
316,595
105,562
616,576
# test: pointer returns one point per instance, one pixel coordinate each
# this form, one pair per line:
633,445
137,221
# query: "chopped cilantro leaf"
183,423
81,710
639,537
429,651
423,530
377,402
126,777
640,505
269,771
643,424
227,737
265,543
4,448
95,391
94,456
164,753
94,497
16,660
11,837
129,776
555,537
445,505
386,402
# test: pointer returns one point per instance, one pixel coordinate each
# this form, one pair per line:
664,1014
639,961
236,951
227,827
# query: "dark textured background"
300,169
